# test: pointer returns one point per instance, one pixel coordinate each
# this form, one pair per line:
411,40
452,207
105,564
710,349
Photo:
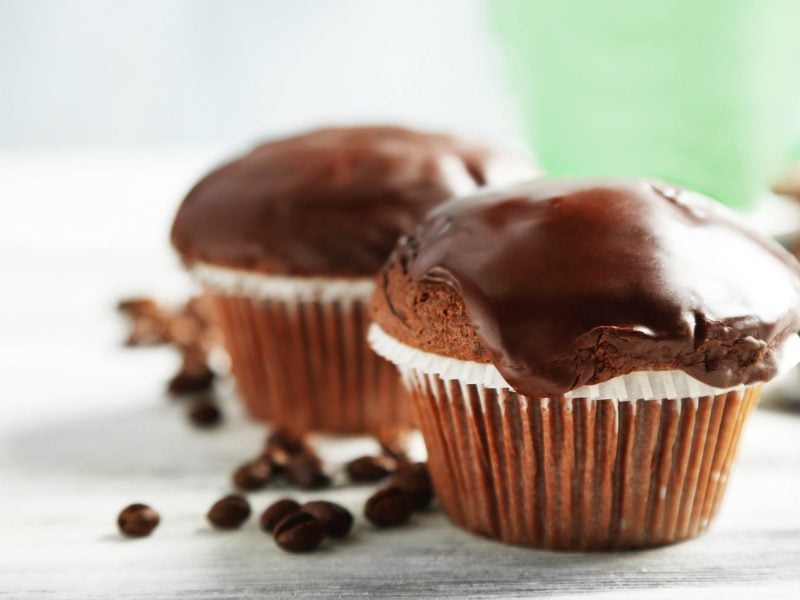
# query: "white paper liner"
639,385
281,287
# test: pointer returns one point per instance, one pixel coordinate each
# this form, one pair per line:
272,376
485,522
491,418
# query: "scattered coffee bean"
191,382
370,468
138,305
415,480
187,329
282,446
147,321
389,506
293,444
229,512
253,475
144,332
276,512
204,413
336,519
138,520
305,471
394,446
299,532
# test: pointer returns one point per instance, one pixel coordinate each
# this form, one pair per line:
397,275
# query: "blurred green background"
703,93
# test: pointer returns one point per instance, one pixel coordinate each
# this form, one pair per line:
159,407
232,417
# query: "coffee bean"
191,382
253,475
145,332
299,532
138,305
204,414
229,512
146,321
370,468
281,446
336,519
415,480
276,512
389,506
394,446
186,332
305,471
138,520
293,444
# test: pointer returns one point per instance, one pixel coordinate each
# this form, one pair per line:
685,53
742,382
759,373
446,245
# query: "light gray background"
133,72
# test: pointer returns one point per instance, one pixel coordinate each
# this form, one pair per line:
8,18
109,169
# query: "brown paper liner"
578,474
306,366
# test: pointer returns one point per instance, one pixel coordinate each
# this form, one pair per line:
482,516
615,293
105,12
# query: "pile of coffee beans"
286,457
186,328
297,527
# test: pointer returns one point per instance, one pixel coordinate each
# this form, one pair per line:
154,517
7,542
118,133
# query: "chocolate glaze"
332,201
573,282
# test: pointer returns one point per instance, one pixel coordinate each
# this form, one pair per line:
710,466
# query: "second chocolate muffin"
287,239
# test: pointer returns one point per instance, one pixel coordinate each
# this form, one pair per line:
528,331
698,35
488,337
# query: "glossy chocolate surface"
573,282
332,201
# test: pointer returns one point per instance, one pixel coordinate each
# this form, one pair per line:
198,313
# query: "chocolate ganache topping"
574,282
332,201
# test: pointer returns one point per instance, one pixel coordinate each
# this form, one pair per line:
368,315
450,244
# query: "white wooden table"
85,430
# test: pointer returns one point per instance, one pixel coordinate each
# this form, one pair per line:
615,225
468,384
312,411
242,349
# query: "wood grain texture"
64,483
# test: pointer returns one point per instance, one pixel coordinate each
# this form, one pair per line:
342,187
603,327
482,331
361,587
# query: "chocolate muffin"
582,355
287,239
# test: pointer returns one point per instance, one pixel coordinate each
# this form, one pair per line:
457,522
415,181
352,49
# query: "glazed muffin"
582,356
286,241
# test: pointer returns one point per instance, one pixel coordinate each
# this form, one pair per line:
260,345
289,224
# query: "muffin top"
331,202
563,283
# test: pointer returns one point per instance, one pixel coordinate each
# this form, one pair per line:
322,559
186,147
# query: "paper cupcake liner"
305,365
237,282
574,473
639,385
639,460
